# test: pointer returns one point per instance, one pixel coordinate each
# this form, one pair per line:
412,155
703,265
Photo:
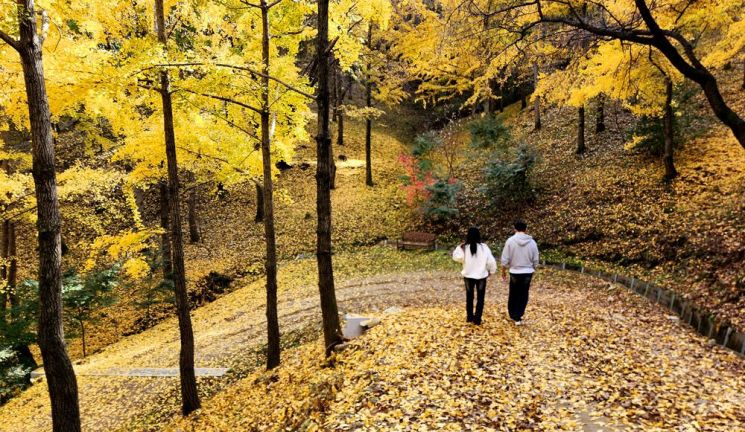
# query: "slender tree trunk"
259,202
368,122
194,234
329,310
165,237
12,280
523,101
501,97
600,115
270,265
60,377
82,337
189,394
581,130
335,86
340,130
668,131
4,295
537,102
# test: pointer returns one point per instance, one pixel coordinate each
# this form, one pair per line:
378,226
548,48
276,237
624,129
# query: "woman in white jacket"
478,264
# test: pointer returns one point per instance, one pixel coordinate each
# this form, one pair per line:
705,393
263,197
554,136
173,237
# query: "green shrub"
424,143
488,132
440,203
507,182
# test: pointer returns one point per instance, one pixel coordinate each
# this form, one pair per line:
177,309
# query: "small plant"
440,204
83,296
488,132
508,182
424,144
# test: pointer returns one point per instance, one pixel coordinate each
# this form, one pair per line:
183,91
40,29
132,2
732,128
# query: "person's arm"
505,261
458,254
491,262
536,256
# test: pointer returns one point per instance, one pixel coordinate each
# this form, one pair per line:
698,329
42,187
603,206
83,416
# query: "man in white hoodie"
520,256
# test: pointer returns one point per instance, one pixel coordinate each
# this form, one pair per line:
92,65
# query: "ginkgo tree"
684,33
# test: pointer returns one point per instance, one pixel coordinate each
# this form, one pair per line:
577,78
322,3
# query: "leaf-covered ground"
611,207
591,357
229,332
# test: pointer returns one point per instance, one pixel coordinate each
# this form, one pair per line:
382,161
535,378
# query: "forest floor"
591,356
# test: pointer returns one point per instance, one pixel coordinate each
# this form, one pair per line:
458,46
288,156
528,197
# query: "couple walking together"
519,256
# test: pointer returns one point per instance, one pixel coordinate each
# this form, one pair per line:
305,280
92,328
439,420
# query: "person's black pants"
519,289
480,286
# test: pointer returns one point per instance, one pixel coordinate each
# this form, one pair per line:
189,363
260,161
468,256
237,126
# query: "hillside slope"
610,206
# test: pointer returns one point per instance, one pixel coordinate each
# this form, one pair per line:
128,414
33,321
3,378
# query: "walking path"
229,333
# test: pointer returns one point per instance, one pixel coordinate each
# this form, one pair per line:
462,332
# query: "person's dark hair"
520,225
473,238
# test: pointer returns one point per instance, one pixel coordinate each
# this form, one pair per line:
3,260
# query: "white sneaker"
518,323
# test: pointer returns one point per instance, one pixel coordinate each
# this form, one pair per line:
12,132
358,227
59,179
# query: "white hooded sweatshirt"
477,266
520,254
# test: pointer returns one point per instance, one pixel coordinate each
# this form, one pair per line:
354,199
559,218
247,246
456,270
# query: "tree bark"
600,115
12,280
5,294
329,309
194,234
537,102
165,237
189,394
501,97
82,337
270,263
60,377
581,130
668,131
340,129
368,122
259,202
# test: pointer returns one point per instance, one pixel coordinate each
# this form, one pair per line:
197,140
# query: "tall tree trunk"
329,309
259,202
82,337
668,131
12,280
189,394
194,234
60,377
4,294
25,359
581,130
501,97
335,85
368,122
537,101
270,264
340,130
165,237
600,115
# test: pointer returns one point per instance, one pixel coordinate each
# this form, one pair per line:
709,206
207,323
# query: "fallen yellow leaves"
585,359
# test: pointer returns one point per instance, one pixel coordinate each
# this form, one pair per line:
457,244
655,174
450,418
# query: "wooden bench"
417,240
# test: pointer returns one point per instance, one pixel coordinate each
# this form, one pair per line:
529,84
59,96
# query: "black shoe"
477,322
469,319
